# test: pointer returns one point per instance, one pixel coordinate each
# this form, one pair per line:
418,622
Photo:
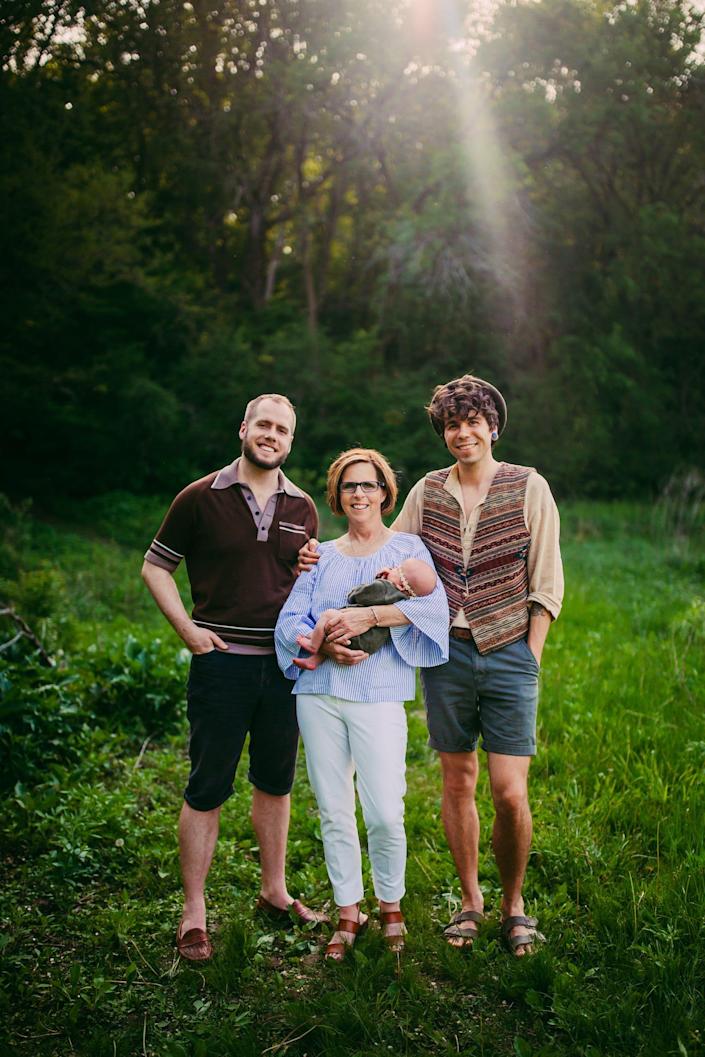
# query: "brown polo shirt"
240,559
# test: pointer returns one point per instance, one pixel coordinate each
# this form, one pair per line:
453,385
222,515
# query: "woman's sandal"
394,940
462,930
524,939
335,950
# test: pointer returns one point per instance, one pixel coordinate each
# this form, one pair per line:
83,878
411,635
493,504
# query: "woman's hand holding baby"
347,623
342,655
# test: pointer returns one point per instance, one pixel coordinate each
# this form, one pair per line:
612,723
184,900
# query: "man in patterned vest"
492,528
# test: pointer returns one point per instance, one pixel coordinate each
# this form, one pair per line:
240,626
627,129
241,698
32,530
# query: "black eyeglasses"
350,487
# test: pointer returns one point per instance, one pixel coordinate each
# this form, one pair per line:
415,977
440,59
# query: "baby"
409,579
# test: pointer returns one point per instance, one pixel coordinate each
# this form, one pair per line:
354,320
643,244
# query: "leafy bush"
137,684
15,535
46,715
39,593
43,721
127,519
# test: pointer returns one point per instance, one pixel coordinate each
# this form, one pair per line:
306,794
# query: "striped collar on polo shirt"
229,476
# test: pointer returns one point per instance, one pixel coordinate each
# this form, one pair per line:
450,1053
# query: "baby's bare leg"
313,642
319,632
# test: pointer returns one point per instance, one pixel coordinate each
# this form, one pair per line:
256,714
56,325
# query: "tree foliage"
349,202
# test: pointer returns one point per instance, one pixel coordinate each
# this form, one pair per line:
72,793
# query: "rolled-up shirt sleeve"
423,643
171,543
544,565
295,619
410,517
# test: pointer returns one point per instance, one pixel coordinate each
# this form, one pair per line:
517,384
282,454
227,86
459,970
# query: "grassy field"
90,896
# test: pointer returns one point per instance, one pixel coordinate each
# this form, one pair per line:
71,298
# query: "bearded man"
239,530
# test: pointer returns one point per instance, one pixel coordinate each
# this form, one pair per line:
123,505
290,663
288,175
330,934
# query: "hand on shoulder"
308,557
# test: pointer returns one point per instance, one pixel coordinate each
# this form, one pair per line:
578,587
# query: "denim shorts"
494,695
230,695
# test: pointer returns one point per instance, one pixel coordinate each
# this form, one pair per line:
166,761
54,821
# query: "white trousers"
342,738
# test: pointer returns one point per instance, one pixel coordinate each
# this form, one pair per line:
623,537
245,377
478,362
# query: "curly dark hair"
462,398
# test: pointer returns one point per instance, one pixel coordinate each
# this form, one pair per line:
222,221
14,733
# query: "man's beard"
253,456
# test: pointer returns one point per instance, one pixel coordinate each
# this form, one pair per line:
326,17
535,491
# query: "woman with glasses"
351,707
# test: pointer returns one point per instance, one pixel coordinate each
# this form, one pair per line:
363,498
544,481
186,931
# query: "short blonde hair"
348,458
251,408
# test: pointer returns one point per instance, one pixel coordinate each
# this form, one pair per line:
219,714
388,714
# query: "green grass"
91,893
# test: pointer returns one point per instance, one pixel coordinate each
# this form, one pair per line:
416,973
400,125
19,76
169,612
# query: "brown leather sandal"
394,940
194,945
295,912
463,928
526,939
336,950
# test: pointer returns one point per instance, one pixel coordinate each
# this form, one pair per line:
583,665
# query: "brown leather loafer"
194,945
295,912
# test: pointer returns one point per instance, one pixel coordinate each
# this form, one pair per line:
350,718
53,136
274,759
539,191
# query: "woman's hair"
384,473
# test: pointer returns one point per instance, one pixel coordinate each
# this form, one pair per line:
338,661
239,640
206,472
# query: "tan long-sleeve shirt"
544,566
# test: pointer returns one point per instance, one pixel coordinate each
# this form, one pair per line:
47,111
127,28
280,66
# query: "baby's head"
413,577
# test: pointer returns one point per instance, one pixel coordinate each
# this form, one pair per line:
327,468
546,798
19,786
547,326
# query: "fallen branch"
145,743
24,632
11,642
288,1041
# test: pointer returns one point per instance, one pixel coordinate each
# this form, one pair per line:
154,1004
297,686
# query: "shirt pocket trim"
288,526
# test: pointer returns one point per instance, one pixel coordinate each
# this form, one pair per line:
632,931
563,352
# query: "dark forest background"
349,202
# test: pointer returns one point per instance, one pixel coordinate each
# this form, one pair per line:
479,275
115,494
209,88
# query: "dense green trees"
349,202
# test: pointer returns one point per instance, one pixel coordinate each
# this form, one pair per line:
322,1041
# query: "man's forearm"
165,593
539,623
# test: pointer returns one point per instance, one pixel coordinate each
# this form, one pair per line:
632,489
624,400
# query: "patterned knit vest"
493,589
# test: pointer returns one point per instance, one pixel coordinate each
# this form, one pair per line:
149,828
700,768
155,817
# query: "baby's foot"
309,663
312,662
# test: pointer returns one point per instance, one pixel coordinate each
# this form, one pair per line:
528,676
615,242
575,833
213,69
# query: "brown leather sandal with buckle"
336,950
525,940
194,945
394,940
463,928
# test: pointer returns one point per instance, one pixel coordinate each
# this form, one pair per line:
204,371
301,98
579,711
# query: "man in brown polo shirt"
239,530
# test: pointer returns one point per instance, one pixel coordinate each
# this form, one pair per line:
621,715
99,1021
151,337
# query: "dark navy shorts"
230,695
494,695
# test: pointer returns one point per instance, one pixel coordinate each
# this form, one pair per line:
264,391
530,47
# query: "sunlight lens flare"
487,179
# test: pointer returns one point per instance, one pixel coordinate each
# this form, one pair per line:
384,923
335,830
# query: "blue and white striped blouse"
387,675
